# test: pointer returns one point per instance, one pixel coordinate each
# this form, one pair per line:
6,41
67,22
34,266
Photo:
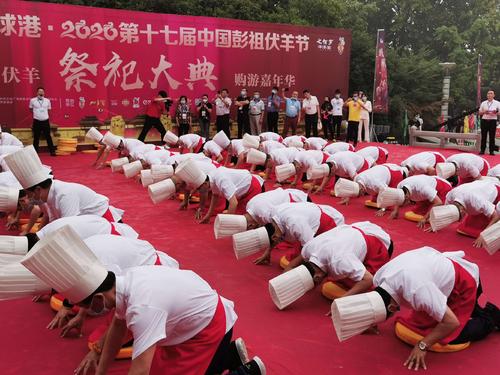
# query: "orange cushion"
34,229
332,290
192,199
370,203
90,151
56,303
284,262
412,216
124,353
410,337
466,233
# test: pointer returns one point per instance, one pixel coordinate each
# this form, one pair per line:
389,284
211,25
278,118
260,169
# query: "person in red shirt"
154,111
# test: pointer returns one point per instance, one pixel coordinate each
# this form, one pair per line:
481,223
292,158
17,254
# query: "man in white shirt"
338,105
310,105
256,112
222,109
40,107
488,111
364,120
7,139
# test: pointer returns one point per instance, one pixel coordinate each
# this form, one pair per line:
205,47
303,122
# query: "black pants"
42,127
352,132
205,127
222,123
311,122
488,127
183,129
327,127
337,125
272,121
149,123
243,124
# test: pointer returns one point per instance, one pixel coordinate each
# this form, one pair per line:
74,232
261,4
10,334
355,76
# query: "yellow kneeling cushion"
192,199
90,151
124,353
284,262
56,304
370,203
307,185
332,290
262,174
34,228
408,336
412,216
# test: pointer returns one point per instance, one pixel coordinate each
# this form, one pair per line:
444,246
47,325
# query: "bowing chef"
468,167
298,223
307,160
425,191
103,151
270,136
377,153
441,290
335,147
62,198
315,143
180,326
7,139
213,151
423,162
281,156
495,171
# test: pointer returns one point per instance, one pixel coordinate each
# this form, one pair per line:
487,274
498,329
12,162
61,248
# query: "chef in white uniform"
238,153
335,147
315,143
423,162
377,153
270,136
7,139
469,167
495,171
213,151
306,160
269,146
191,143
288,141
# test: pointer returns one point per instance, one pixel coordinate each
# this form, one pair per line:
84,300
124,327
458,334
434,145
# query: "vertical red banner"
381,88
479,79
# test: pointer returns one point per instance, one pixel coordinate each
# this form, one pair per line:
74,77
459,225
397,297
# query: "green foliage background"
419,35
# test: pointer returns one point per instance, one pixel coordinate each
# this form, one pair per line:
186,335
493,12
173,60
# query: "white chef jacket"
212,148
421,187
129,144
347,163
261,207
158,157
419,163
268,146
293,138
206,166
118,253
166,306
490,106
333,148
179,158
371,152
341,251
477,197
138,152
87,226
309,158
237,147
468,165
498,208
300,221
8,179
423,279
40,107
7,139
228,182
282,156
270,136
190,140
70,199
495,171
316,143
377,178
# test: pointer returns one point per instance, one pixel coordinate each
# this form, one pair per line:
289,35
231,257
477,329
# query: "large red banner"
103,62
381,99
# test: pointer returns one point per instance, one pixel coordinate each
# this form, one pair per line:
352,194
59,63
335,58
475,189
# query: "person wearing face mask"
183,116
243,103
159,105
489,111
257,108
337,106
326,118
40,107
273,109
354,106
364,120
311,108
292,112
204,111
222,109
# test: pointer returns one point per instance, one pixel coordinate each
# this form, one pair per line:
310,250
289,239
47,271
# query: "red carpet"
297,341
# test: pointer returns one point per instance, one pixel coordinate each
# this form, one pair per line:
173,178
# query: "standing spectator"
310,105
222,109
155,109
242,102
489,111
292,112
337,106
326,118
183,116
273,110
257,108
40,106
204,111
364,120
354,105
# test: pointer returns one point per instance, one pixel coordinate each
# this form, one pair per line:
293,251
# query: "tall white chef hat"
442,216
446,170
18,282
94,135
189,172
226,225
250,242
251,141
8,199
290,286
14,245
222,140
159,191
132,169
171,138
390,197
285,171
491,238
63,261
111,140
346,188
27,167
256,157
117,164
353,315
318,171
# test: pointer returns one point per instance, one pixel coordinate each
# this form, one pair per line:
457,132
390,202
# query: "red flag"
479,79
381,90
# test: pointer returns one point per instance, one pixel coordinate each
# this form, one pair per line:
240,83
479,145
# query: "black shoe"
53,154
237,355
492,153
481,153
254,367
494,312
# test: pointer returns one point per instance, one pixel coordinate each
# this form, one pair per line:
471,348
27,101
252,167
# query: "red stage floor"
297,341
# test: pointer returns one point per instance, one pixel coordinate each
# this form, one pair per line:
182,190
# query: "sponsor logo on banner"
125,102
136,102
